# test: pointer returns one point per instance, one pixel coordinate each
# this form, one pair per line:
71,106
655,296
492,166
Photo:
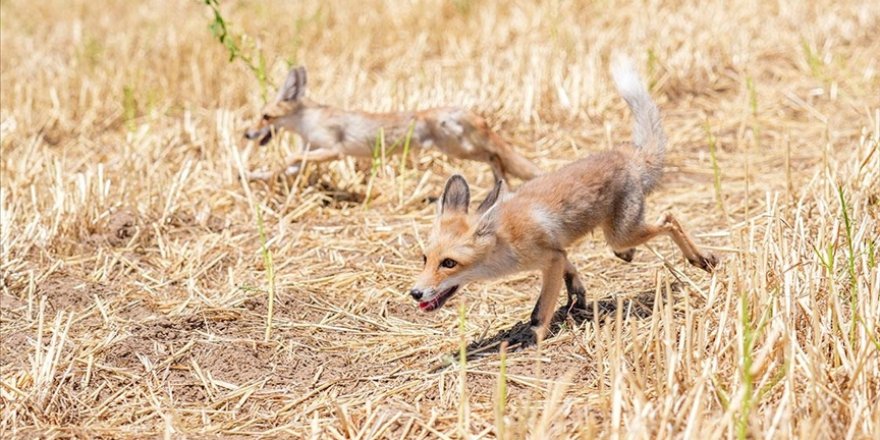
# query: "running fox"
330,133
531,228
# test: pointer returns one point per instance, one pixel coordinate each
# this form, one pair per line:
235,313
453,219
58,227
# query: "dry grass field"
136,291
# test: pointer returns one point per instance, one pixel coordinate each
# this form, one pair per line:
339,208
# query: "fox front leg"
575,288
296,161
544,309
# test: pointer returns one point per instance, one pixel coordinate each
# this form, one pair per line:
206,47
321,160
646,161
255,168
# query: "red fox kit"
330,133
531,228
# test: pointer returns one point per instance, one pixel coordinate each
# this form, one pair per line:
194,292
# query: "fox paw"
292,170
259,176
626,255
706,262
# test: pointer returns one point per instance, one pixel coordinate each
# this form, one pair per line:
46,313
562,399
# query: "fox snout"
264,135
431,299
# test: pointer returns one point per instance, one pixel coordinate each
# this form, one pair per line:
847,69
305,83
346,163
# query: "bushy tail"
648,135
514,163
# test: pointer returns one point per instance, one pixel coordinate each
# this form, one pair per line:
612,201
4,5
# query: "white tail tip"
626,76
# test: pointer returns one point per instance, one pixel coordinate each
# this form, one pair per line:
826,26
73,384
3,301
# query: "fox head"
282,112
461,245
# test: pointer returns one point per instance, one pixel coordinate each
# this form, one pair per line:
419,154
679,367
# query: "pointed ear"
488,222
493,197
456,196
294,87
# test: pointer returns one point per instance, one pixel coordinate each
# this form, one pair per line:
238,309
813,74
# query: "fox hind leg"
629,213
642,233
703,260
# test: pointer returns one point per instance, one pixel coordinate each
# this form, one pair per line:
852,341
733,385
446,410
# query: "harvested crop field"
138,299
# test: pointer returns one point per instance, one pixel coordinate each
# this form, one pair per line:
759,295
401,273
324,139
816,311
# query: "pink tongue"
428,305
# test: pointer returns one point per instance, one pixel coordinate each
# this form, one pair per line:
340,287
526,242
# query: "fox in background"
531,228
330,133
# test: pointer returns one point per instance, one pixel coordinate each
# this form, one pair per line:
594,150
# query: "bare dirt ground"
135,292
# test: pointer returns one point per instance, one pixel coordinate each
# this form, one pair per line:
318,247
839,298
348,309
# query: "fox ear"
497,192
294,87
456,196
488,222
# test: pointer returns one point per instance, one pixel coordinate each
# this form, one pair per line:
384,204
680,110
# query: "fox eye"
448,263
266,117
424,259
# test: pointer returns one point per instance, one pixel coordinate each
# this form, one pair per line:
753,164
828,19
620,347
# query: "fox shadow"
521,336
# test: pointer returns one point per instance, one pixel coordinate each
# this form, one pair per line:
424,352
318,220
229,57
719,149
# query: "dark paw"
626,255
706,262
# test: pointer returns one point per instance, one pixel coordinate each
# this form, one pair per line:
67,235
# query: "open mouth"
264,135
438,301
265,139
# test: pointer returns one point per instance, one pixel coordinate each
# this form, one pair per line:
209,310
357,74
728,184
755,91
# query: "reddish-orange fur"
531,229
330,133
